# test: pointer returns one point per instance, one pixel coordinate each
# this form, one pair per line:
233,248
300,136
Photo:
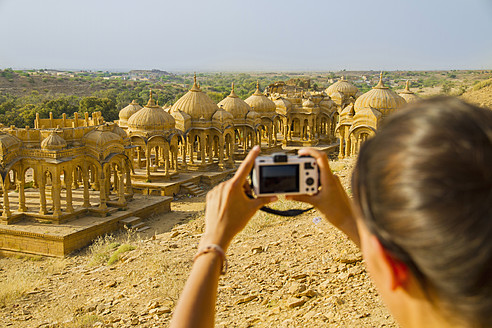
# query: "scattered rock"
246,299
296,302
112,284
257,250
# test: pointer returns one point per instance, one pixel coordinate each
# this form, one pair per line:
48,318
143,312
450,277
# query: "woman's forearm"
196,307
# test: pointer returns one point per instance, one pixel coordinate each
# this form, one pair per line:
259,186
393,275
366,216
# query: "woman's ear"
394,271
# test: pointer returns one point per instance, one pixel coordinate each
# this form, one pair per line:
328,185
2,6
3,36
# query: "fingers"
302,198
246,166
261,201
323,164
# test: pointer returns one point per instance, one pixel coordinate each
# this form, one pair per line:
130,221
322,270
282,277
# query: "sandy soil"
297,272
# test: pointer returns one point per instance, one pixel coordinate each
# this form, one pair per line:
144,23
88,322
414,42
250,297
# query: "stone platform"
29,237
165,187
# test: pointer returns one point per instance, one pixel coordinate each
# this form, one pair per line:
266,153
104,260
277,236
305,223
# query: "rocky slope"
297,272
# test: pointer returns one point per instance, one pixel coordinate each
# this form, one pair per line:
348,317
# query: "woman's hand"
331,200
228,208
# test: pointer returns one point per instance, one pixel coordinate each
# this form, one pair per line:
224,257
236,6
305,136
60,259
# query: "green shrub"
115,257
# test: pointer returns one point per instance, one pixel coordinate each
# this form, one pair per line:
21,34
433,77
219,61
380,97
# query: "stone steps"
135,223
193,189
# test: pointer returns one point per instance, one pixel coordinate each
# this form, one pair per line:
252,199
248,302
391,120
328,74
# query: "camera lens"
309,181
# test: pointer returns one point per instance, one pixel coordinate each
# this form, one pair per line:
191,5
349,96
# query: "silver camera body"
280,174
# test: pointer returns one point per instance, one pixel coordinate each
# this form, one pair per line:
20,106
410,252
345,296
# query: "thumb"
301,198
260,201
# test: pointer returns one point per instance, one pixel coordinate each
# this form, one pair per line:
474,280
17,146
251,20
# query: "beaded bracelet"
217,249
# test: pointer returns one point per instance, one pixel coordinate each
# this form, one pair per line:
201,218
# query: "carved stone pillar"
139,157
128,186
6,206
183,153
75,179
102,194
85,179
147,164
22,195
55,195
42,195
68,191
166,165
191,144
230,160
202,148
221,152
121,188
275,134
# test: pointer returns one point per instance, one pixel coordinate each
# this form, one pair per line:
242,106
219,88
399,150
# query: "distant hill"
480,94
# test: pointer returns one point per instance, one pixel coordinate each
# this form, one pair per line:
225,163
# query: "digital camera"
282,174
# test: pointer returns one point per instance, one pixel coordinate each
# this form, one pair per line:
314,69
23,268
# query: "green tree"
106,106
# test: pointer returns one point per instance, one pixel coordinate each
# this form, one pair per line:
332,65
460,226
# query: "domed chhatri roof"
129,110
380,98
342,86
151,118
119,131
196,103
253,115
53,142
8,141
408,95
235,105
260,103
308,103
100,137
326,103
222,116
282,103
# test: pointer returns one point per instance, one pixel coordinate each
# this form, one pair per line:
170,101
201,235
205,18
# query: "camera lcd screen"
279,179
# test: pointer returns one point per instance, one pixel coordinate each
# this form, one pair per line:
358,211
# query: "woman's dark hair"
424,186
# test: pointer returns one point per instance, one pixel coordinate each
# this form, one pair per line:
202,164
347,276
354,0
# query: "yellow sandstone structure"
67,171
407,94
360,120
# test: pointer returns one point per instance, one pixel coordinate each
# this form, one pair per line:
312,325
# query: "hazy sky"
228,35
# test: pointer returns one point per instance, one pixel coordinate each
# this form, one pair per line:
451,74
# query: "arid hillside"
480,94
297,272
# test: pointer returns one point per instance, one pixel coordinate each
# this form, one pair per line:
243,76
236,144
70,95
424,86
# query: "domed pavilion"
245,125
127,112
154,138
370,109
407,94
342,92
267,131
207,132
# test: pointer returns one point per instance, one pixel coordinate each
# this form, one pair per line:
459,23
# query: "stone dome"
8,141
151,118
53,142
119,131
261,103
196,103
342,86
380,98
407,94
282,103
222,116
253,115
128,111
308,103
101,137
327,103
235,105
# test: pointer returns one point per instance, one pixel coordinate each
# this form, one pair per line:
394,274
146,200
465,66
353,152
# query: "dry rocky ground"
296,272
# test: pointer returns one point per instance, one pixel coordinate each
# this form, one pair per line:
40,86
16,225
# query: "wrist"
209,239
215,251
